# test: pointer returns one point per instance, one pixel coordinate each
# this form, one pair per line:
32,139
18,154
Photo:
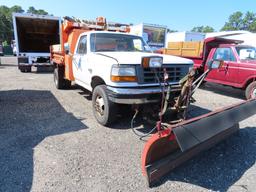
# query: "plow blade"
169,148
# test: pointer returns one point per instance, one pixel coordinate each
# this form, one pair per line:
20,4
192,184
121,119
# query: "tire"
25,69
250,91
104,110
58,77
67,84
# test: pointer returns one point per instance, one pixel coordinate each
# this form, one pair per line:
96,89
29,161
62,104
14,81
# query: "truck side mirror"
66,48
215,64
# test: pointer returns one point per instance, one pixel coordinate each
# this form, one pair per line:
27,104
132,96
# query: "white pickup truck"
118,68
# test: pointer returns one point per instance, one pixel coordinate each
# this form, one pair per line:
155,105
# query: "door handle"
226,66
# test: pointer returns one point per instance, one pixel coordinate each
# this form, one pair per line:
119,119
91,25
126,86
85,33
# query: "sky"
180,15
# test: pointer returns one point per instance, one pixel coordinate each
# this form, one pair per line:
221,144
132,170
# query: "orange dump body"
69,34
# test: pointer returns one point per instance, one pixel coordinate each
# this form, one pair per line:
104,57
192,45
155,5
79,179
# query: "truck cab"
118,68
238,68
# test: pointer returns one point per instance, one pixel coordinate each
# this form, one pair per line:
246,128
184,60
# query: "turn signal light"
123,78
145,62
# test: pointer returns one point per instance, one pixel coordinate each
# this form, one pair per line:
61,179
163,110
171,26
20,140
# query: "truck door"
80,62
230,67
214,75
227,73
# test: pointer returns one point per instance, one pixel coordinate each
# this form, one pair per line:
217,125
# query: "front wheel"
104,110
250,91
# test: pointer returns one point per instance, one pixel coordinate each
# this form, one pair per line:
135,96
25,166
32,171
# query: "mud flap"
169,148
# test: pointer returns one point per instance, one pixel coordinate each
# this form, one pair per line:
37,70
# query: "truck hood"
135,57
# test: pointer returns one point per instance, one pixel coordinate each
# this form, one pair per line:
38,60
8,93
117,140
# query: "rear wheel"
58,76
67,84
104,110
250,91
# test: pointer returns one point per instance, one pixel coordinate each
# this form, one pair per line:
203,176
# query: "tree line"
6,26
236,21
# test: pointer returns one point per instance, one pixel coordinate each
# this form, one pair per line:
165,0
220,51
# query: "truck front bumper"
139,95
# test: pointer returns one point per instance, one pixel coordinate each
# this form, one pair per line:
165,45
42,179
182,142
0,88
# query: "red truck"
239,61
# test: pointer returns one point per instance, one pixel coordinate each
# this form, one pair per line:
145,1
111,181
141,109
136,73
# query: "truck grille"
175,73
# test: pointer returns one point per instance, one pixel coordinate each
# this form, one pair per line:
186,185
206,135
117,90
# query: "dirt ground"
50,141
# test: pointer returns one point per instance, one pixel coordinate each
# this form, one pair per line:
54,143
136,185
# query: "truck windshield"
246,53
117,42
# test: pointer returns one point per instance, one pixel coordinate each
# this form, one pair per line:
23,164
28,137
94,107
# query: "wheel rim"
253,93
55,78
99,105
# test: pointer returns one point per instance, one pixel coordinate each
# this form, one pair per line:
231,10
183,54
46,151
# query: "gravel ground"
49,141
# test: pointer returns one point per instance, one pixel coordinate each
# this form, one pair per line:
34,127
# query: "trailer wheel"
25,69
104,110
250,91
58,76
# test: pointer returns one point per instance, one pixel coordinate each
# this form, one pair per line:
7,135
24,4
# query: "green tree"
6,26
203,29
171,30
240,21
250,21
35,11
235,22
16,9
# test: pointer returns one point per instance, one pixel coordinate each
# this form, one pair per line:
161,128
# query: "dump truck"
239,61
119,68
33,36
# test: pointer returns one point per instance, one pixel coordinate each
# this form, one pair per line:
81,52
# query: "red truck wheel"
250,91
104,110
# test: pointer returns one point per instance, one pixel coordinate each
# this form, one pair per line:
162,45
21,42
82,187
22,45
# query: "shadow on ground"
223,90
222,166
26,118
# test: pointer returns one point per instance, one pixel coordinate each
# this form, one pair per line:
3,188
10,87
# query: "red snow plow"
174,143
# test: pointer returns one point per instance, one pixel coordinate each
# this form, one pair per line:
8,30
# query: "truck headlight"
124,73
152,62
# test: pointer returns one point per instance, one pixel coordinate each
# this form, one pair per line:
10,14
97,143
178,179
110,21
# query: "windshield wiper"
102,50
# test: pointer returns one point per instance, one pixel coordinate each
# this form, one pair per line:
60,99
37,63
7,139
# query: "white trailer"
154,35
184,36
33,36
